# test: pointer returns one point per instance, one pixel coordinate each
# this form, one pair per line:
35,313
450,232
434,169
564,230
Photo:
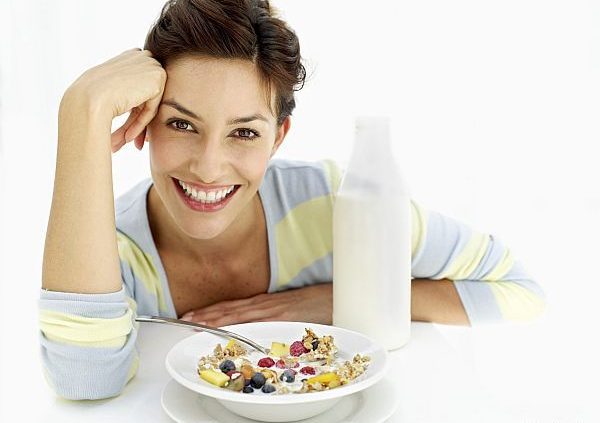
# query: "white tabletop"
445,374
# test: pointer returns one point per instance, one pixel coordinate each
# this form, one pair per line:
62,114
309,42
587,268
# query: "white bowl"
182,362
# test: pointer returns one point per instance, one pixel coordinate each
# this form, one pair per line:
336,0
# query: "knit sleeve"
492,284
88,342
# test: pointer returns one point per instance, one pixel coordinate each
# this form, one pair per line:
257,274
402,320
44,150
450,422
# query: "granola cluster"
318,348
350,370
232,350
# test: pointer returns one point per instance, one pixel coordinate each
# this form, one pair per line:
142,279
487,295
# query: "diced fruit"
325,379
308,370
227,366
214,377
297,348
268,388
247,370
266,362
286,364
231,373
236,383
258,380
248,390
288,376
279,349
230,344
334,383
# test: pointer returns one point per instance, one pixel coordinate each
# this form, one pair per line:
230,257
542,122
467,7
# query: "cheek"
254,164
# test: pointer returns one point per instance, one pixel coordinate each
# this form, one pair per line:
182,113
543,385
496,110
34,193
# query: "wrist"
78,102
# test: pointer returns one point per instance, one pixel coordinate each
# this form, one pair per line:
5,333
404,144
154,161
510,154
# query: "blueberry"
315,344
267,389
287,376
247,382
258,380
247,390
227,366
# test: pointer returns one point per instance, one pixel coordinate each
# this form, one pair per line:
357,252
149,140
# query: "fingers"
118,138
139,140
226,306
234,317
148,112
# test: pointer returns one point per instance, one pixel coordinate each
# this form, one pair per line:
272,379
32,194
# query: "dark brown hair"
233,29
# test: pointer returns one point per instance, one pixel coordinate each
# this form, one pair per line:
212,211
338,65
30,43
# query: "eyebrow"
185,111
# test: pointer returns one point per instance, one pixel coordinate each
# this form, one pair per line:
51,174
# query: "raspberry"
266,362
307,370
280,364
297,348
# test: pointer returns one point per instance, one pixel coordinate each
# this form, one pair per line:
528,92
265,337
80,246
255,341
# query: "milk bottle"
372,240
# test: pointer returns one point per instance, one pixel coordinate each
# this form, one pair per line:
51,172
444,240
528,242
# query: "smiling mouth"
205,199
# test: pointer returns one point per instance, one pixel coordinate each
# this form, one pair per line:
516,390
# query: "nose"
208,160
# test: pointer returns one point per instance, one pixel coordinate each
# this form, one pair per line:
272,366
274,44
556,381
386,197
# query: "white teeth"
205,196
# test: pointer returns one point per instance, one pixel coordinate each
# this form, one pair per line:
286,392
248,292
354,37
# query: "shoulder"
301,186
131,216
132,197
303,179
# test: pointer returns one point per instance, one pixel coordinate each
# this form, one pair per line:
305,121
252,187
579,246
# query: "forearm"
437,301
80,253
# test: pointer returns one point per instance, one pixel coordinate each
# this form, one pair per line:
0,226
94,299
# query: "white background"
495,108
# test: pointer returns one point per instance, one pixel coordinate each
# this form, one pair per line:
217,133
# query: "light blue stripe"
444,241
289,183
87,373
105,306
479,302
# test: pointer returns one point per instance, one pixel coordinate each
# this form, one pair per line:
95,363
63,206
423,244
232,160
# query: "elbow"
87,381
521,301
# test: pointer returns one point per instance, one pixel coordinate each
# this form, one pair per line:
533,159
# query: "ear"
281,133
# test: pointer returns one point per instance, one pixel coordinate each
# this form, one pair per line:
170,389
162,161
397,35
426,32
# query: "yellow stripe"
143,266
303,236
334,174
419,226
468,259
502,268
86,331
516,303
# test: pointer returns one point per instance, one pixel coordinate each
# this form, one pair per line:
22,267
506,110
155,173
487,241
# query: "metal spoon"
210,329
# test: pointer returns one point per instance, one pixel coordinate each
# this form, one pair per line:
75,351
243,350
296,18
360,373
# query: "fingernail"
187,317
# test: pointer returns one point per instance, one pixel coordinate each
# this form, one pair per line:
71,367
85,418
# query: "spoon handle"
210,329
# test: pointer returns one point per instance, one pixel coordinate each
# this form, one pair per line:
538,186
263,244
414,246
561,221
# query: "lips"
199,205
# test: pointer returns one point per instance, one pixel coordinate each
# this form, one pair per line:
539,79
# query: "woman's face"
213,134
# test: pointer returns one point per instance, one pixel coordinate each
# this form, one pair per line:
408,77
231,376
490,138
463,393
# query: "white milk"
372,241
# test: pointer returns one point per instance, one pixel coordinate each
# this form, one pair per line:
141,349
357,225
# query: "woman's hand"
130,82
309,304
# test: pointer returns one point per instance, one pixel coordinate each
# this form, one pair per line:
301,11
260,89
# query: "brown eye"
248,134
181,125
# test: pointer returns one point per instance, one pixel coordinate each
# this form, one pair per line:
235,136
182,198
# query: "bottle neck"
372,140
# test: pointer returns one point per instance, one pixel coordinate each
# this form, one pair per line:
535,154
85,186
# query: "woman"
220,233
